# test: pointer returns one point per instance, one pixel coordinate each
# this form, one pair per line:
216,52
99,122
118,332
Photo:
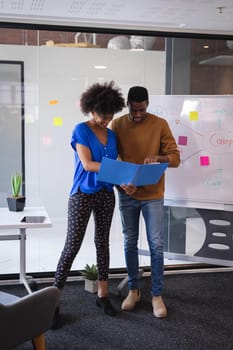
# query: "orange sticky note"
57,121
53,102
193,115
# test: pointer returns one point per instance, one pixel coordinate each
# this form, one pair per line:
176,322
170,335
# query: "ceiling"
190,16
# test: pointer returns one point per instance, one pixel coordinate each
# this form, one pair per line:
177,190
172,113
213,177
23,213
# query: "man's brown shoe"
131,300
159,309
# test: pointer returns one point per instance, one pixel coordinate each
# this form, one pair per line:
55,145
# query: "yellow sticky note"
193,115
57,121
53,102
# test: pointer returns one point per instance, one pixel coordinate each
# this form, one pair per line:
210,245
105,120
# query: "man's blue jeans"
153,214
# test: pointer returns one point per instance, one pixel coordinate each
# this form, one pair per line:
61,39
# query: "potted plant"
16,202
90,275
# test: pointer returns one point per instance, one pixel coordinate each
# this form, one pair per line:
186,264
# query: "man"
144,138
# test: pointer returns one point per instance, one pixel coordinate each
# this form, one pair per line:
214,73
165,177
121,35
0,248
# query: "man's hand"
152,159
129,189
156,159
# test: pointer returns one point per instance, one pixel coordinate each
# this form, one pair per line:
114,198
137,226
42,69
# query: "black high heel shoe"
105,304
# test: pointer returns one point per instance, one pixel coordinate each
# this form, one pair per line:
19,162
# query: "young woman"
91,140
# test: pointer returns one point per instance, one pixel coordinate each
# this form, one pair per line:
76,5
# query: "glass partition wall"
58,66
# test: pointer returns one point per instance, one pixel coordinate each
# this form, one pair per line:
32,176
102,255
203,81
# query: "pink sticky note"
182,140
46,140
204,160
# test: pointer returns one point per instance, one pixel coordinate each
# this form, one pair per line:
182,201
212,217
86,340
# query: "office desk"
12,220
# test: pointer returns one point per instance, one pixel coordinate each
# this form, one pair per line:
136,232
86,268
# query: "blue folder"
118,172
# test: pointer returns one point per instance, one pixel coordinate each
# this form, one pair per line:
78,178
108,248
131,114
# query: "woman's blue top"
84,180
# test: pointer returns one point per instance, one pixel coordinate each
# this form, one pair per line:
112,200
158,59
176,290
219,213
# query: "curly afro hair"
103,99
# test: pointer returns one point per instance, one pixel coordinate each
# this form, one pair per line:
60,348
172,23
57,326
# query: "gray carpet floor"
200,317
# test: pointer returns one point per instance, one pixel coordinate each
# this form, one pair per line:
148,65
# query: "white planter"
91,286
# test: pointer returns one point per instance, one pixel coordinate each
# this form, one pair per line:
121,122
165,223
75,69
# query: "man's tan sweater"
136,141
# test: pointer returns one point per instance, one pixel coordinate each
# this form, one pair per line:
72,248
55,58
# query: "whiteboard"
203,129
